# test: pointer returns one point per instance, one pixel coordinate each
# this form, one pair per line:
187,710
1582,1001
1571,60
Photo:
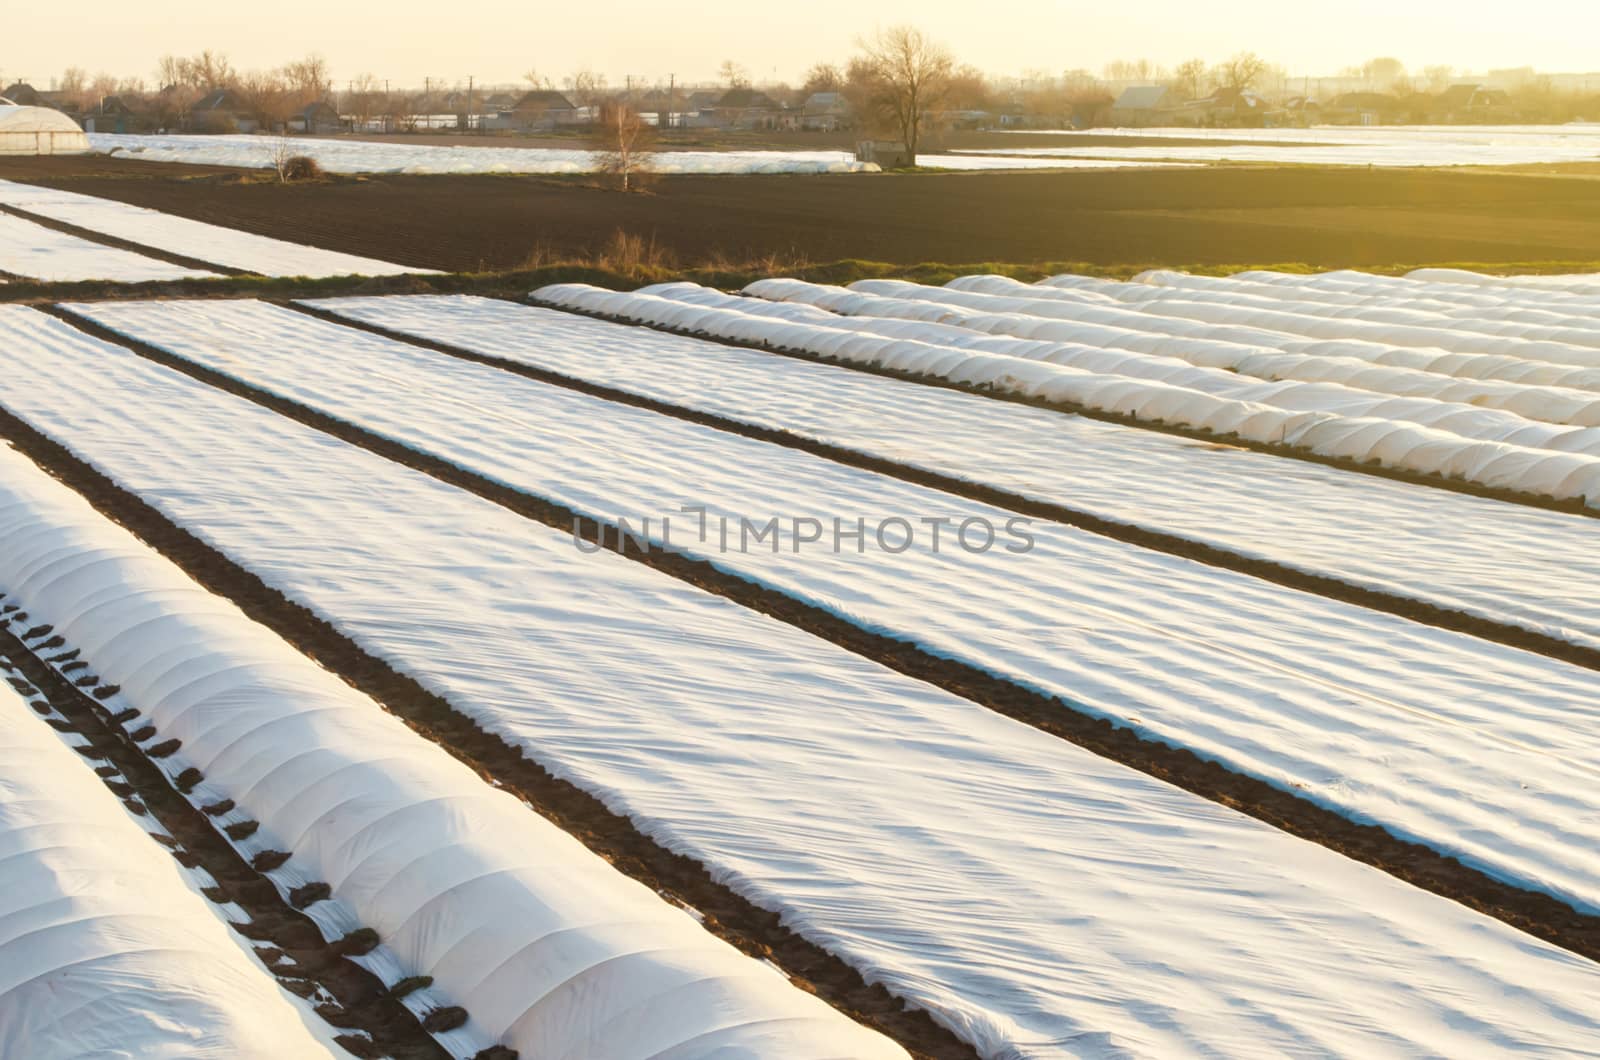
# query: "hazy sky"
496,40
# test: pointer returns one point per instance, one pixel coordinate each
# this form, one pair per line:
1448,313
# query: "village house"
118,115
825,112
747,108
537,111
1143,105
319,118
220,111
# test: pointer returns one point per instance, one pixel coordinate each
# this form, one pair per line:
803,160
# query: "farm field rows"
1161,666
546,944
1054,350
35,252
1264,679
877,811
213,244
1508,563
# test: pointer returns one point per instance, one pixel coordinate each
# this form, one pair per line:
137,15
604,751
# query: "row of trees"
895,83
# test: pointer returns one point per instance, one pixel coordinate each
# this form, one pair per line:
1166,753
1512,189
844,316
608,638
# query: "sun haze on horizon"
497,40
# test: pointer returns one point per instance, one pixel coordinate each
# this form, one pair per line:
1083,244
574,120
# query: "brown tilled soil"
1538,914
1327,217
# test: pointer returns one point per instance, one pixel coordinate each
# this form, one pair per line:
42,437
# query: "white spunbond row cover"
1482,312
1157,290
1537,389
1390,145
1511,563
1431,445
1588,283
106,949
363,156
38,131
1563,290
1258,676
1037,899
40,253
552,951
228,247
1394,327
1349,386
1179,325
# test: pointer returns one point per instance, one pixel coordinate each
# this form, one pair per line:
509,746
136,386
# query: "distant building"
220,111
1470,103
319,118
538,111
1226,106
747,108
825,112
118,115
39,131
1360,108
1143,105
23,94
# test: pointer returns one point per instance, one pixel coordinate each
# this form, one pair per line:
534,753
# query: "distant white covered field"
1389,145
27,249
362,156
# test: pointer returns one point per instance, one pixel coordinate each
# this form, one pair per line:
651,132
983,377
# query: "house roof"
544,99
1459,95
1141,97
218,99
825,103
22,94
746,99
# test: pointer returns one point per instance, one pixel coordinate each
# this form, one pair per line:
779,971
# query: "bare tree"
1241,72
1189,79
74,86
734,75
308,79
903,75
1439,78
823,77
969,89
364,101
1382,73
586,88
537,81
209,71
266,97
622,142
